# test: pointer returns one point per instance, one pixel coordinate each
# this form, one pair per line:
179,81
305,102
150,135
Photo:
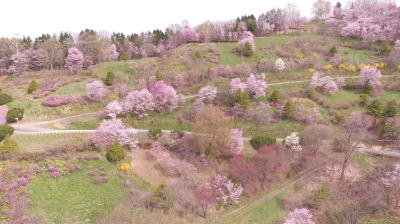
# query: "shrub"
33,86
261,140
15,114
245,50
5,130
242,98
5,98
116,153
56,100
275,96
333,50
96,90
289,110
9,145
109,78
364,98
155,132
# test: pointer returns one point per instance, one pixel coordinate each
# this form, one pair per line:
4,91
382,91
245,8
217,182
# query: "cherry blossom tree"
189,34
321,9
114,108
110,131
237,85
74,60
227,192
96,90
20,62
140,102
280,65
325,84
370,76
256,86
236,145
165,97
292,142
207,94
248,38
299,216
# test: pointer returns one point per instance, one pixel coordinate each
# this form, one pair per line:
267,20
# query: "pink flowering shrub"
140,102
96,90
236,145
324,84
237,85
246,45
74,60
114,108
56,100
189,34
222,70
256,87
299,216
207,94
307,115
48,87
370,76
3,114
110,131
165,97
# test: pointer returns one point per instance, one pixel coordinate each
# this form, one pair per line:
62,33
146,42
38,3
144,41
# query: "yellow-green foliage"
9,145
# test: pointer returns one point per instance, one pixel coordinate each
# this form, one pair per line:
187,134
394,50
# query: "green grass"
267,212
72,89
361,55
31,143
85,124
279,130
341,96
75,197
115,66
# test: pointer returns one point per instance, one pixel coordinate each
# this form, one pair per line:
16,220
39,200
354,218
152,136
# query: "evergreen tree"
391,109
33,86
116,153
109,78
242,98
376,110
288,110
275,96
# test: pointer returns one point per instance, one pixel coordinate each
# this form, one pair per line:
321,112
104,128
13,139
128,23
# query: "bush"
33,86
15,114
116,153
289,110
384,49
109,78
261,140
275,96
9,145
5,98
5,130
367,89
364,98
333,50
245,50
125,56
155,132
242,98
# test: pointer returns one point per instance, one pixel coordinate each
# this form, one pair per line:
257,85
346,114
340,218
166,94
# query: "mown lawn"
72,89
84,124
74,197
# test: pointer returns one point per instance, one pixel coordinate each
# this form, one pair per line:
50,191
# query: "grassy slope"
75,197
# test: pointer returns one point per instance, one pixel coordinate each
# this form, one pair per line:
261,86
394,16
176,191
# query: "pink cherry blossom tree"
256,86
74,60
227,192
370,76
20,62
96,90
236,145
237,85
165,97
189,34
114,108
324,84
110,131
207,94
299,216
140,102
